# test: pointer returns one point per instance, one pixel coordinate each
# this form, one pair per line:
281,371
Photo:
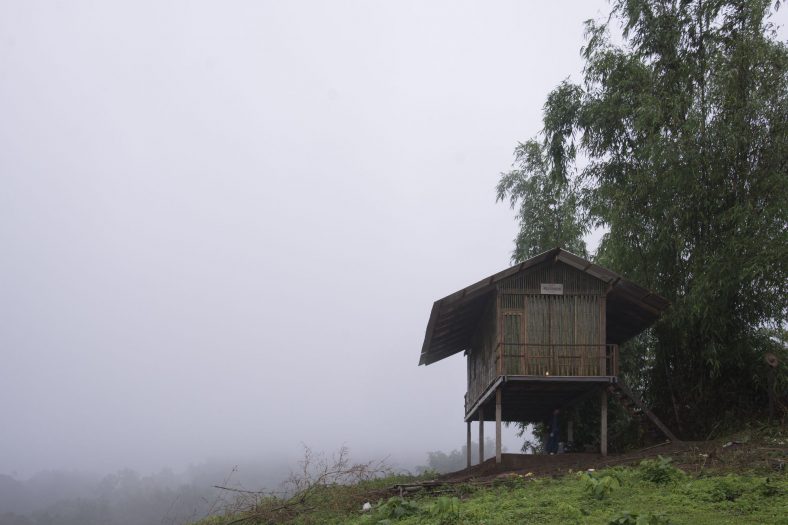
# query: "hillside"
737,479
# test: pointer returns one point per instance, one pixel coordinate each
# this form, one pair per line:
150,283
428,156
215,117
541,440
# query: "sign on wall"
552,289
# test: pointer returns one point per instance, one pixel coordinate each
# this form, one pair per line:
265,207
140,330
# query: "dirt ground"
761,453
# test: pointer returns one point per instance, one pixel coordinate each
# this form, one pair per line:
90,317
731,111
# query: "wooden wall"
540,333
481,358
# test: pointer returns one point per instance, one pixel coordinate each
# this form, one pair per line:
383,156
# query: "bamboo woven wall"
540,333
575,282
481,359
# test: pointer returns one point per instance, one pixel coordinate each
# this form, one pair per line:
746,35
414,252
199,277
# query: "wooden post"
468,445
546,436
481,435
770,381
570,431
498,425
601,346
524,349
603,422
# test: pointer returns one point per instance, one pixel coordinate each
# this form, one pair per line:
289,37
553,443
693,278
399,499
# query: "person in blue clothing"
552,440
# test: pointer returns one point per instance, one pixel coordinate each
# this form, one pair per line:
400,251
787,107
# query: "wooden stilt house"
538,336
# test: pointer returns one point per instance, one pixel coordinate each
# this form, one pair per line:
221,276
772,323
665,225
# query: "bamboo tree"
682,132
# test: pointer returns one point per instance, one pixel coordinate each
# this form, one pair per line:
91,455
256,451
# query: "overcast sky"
223,224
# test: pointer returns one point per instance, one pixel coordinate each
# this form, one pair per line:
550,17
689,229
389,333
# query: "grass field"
746,484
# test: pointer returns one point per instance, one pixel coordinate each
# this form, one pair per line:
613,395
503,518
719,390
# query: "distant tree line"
457,459
675,143
127,498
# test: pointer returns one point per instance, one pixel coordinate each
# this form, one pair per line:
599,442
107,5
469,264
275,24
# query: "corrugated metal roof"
630,308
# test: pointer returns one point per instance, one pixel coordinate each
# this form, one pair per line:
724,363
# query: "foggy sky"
224,224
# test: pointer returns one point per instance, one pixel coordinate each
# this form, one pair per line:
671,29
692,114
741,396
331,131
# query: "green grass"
725,499
656,492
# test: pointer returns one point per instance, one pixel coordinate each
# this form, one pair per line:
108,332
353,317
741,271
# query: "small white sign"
552,289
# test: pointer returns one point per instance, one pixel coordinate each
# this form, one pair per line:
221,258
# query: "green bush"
568,513
660,471
627,518
767,489
395,509
599,487
446,510
718,489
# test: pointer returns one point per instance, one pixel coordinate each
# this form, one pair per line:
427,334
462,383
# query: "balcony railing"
560,360
528,359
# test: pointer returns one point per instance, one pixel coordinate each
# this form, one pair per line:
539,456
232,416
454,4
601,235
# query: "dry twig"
315,471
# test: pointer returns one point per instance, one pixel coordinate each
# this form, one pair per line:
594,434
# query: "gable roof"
630,308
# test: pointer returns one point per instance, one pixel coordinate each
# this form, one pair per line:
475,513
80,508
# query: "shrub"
627,518
446,510
568,513
395,509
659,471
718,489
599,487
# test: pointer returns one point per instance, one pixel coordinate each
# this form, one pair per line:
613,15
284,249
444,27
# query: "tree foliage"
457,459
681,133
547,204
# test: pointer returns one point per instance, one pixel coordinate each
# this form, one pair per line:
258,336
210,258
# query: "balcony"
515,359
529,361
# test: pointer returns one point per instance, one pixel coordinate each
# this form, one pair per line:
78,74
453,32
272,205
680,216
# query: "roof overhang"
630,308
